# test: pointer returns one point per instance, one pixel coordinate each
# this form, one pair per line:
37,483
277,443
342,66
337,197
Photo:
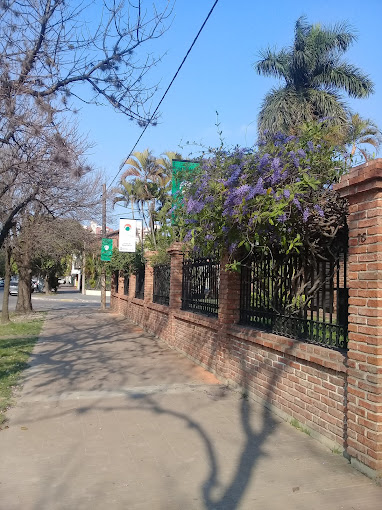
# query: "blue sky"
218,74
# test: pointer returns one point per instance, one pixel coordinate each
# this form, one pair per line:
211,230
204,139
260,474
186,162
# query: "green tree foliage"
146,183
360,132
314,75
127,262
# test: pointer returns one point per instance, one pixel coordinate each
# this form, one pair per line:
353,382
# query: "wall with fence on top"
297,352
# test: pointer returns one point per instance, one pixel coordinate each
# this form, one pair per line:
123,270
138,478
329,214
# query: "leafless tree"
47,171
43,179
51,52
50,47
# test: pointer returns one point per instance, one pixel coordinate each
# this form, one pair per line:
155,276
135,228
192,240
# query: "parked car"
14,287
1,282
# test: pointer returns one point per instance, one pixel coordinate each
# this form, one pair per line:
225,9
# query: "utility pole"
83,270
103,272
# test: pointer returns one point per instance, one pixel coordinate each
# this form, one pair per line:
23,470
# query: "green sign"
182,171
106,249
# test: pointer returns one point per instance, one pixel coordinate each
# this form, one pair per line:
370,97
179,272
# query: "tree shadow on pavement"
110,353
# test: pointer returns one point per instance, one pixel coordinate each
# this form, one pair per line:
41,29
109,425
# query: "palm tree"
165,179
362,131
314,75
126,195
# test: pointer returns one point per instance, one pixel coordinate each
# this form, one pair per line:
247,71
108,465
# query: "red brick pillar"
363,189
132,279
114,301
149,276
176,255
229,295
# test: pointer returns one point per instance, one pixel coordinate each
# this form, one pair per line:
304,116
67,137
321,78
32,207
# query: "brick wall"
337,397
295,379
363,189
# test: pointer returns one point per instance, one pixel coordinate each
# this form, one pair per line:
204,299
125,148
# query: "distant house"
97,229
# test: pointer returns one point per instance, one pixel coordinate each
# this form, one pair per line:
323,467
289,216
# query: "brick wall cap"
175,248
369,175
148,254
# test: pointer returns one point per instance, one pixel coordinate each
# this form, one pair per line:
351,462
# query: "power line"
168,88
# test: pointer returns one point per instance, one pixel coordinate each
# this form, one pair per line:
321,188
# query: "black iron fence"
116,280
297,297
200,289
126,281
161,284
140,283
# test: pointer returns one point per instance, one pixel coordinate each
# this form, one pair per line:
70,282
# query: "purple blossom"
259,188
301,153
237,196
305,215
228,211
209,237
251,193
232,248
310,146
319,210
225,229
297,203
295,159
264,161
282,218
194,206
286,193
276,176
276,164
242,192
188,236
209,199
234,177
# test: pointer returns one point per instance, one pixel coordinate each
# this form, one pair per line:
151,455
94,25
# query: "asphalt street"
66,297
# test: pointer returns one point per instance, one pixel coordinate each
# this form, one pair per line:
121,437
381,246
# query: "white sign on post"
127,235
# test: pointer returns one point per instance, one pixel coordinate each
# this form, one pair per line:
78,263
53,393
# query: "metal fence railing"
297,297
116,281
200,288
126,281
161,284
140,283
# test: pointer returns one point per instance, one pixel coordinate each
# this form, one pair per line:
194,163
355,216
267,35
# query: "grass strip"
17,340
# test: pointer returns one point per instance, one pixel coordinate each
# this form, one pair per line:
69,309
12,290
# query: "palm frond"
346,77
273,64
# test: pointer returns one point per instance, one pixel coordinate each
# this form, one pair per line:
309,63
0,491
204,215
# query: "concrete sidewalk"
110,418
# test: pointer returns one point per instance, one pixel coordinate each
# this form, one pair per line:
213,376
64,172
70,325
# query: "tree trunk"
83,287
7,281
23,258
24,300
152,223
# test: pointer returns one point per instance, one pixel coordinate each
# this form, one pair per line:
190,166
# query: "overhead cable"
165,93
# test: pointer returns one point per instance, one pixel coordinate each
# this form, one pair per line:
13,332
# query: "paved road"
66,297
110,418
